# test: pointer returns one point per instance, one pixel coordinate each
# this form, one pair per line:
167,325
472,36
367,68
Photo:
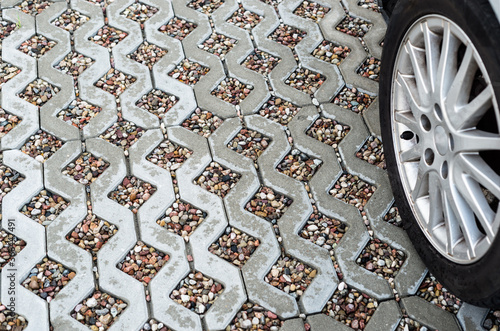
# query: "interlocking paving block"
420,310
471,317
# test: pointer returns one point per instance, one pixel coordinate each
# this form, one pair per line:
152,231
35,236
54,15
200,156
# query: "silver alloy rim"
445,125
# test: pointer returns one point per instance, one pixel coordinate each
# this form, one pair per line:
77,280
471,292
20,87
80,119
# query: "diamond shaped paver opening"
291,276
178,28
197,292
10,318
311,10
217,179
147,54
139,12
182,218
44,207
370,68
202,122
330,52
305,80
36,46
102,3
328,131
234,246
372,152
408,324
189,72
261,62
92,233
218,44
252,315
132,193
79,113
9,179
352,190
381,259
393,217
108,37
70,20
6,28
299,165
34,7
7,72
143,262
47,278
86,168
153,324
354,26
351,307
205,6
169,155
287,35
322,230
10,247
122,134
433,291
232,91
268,204
273,3
369,4
353,99
279,110
86,312
38,92
7,122
74,64
157,102
115,82
244,19
249,143
41,146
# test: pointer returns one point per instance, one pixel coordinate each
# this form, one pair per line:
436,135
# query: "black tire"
477,283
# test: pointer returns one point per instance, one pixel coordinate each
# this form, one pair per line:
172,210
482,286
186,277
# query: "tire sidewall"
477,283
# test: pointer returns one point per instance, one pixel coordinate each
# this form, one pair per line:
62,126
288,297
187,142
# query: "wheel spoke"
477,168
432,53
447,61
470,114
421,185
407,84
407,119
435,202
411,155
475,141
453,233
459,92
417,57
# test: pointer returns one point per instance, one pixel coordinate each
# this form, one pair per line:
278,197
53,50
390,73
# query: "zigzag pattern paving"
202,165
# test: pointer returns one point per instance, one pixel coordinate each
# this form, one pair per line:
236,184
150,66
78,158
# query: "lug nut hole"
429,156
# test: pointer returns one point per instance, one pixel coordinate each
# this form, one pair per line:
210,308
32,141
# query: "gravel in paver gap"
291,276
108,37
102,3
432,291
99,311
197,292
393,217
47,278
369,4
299,165
353,99
234,246
79,113
251,316
217,179
249,143
244,19
261,62
154,325
279,110
38,92
330,52
268,204
182,218
232,91
7,72
328,131
178,28
352,190
492,320
36,46
33,7
202,122
370,68
311,10
115,82
354,26
305,80
205,6
74,64
323,231
372,152
132,193
92,233
143,262
351,307
169,155
70,20
287,35
44,207
7,122
189,72
218,44
41,146
86,168
6,28
273,3
157,102
9,179
10,246
139,12
408,324
381,259
11,320
122,134
147,54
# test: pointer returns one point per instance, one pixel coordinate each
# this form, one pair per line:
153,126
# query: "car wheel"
440,120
